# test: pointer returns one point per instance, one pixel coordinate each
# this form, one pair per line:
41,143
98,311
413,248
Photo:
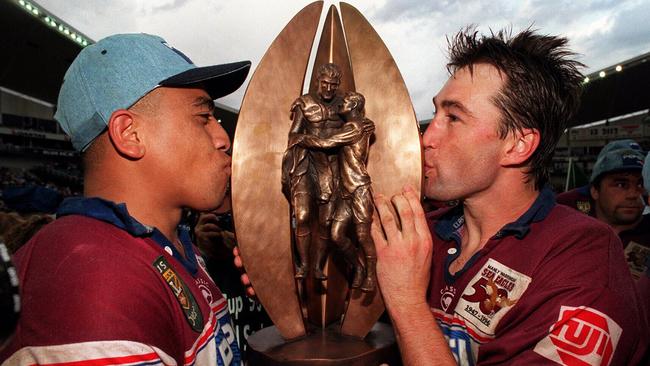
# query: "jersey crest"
184,296
489,296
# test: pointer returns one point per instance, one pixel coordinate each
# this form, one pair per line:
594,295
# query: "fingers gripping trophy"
305,166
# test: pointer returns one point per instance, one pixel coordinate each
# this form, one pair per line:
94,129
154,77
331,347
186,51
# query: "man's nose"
220,138
431,135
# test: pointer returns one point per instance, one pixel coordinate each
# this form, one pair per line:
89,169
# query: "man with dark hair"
507,276
580,198
617,189
115,279
615,197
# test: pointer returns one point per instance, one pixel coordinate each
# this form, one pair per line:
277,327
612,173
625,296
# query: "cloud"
209,31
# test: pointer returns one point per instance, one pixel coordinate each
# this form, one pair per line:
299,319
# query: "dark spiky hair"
542,84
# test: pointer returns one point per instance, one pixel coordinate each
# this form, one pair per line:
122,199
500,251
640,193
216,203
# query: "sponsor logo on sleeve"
581,336
185,298
490,295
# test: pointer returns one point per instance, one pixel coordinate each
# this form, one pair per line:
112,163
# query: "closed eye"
205,117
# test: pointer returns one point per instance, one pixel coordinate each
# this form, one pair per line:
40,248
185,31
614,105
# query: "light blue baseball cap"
616,161
117,71
619,144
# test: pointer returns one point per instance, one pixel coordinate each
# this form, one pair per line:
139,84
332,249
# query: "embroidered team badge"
447,297
581,336
489,296
584,206
183,295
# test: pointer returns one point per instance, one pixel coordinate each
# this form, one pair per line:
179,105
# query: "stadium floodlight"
602,74
619,68
586,80
49,19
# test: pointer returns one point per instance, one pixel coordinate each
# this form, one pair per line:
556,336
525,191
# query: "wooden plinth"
324,347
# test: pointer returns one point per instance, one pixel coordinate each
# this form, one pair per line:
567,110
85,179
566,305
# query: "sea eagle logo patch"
490,295
182,293
581,336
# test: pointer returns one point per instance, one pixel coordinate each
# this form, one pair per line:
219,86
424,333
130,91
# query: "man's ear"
594,193
523,144
124,134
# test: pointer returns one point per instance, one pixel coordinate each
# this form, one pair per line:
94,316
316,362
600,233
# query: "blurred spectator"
617,192
9,220
21,232
580,198
616,198
214,235
31,198
9,296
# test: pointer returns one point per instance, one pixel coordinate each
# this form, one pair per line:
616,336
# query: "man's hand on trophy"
368,126
403,253
250,292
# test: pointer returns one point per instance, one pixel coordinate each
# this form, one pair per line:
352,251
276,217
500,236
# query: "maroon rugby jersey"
111,292
552,286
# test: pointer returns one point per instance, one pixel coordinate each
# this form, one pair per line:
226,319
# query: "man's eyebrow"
449,103
203,101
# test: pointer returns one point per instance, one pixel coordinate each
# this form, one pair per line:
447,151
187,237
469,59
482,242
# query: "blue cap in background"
617,160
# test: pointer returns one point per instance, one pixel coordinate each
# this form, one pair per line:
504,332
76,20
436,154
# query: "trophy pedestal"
324,347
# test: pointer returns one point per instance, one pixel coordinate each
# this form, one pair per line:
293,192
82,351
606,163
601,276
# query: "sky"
602,32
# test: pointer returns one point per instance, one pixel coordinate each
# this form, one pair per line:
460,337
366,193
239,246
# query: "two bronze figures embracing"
324,177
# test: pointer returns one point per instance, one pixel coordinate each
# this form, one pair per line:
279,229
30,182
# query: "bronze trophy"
305,165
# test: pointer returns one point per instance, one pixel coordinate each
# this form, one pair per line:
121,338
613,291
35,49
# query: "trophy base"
324,347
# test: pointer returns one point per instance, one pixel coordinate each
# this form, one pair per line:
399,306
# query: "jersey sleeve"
91,353
563,317
75,295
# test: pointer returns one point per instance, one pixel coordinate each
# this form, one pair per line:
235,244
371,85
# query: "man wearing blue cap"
617,189
617,195
115,279
580,198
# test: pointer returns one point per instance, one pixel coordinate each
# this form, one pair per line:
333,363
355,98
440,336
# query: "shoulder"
303,102
571,230
75,236
80,275
578,198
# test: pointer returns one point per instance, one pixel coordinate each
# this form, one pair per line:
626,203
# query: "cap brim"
218,80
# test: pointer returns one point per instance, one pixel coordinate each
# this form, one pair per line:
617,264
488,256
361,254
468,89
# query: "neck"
488,211
142,201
